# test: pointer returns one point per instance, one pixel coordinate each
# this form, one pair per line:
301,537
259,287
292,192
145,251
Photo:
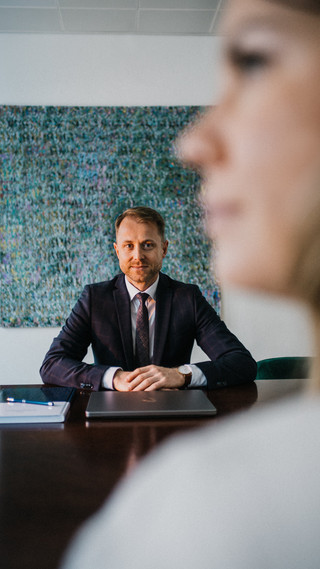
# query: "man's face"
140,251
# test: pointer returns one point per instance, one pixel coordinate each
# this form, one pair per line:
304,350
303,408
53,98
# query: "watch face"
184,369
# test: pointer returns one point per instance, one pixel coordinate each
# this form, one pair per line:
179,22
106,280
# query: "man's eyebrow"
148,240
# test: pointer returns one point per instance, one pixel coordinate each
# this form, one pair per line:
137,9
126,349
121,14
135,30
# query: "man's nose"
138,252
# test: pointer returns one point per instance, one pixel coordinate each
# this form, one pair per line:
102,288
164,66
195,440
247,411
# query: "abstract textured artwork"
65,175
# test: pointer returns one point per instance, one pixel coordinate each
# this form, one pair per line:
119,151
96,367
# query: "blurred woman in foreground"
246,494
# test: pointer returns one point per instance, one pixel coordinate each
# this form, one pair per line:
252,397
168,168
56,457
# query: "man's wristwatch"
185,370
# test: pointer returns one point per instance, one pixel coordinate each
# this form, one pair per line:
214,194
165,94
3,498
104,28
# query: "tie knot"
142,296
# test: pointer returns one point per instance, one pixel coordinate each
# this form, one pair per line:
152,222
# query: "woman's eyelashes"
247,61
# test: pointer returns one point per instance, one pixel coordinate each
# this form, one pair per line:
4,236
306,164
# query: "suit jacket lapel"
122,304
163,312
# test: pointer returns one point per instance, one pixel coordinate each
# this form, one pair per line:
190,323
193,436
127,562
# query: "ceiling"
154,17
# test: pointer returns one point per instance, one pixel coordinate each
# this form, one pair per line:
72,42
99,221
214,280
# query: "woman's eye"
248,61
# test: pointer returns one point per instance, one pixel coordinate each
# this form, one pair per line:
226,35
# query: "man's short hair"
143,215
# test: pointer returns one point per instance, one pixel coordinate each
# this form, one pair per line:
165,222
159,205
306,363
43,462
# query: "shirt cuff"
107,380
198,378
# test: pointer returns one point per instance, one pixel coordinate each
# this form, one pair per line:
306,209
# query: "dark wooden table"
54,476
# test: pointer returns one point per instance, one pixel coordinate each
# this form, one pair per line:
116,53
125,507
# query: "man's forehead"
130,228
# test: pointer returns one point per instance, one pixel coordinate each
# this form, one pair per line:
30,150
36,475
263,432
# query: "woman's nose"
200,145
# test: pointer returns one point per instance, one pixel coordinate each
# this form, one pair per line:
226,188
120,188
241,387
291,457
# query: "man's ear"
165,248
116,249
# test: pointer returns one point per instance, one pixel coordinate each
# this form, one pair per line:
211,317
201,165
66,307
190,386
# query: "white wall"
106,70
128,70
268,326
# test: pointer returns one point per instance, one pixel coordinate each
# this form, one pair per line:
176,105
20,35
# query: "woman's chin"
256,274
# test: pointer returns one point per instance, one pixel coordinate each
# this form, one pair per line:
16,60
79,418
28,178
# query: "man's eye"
248,61
148,245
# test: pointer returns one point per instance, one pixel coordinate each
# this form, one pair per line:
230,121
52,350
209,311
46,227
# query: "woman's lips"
219,215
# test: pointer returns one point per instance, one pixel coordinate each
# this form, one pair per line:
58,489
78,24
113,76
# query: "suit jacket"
102,318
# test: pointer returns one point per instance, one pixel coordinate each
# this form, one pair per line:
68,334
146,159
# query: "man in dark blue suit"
106,316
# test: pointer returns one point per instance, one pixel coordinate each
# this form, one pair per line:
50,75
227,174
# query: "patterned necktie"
142,332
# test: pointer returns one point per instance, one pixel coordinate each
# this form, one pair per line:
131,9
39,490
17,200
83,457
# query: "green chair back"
294,367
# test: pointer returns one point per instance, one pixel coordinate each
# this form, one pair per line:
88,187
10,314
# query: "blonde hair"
143,214
305,276
312,6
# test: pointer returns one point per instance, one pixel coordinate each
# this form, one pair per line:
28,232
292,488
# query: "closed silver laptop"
116,404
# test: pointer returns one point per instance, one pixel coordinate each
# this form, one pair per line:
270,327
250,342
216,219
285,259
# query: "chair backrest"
294,367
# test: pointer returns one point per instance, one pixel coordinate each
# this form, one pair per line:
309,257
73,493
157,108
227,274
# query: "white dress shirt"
198,377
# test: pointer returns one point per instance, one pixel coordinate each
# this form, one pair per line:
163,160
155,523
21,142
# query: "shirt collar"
132,290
